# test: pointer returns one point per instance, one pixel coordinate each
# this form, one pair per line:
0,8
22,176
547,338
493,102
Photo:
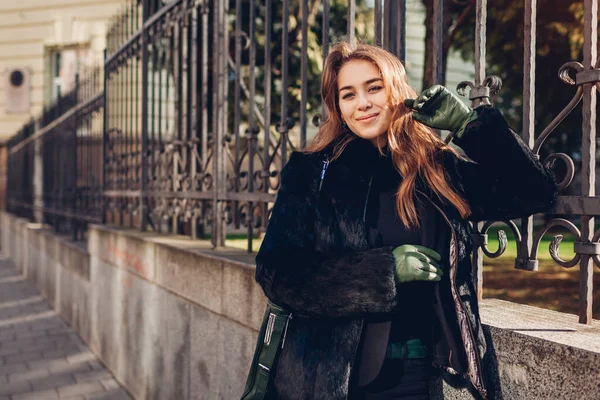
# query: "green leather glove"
438,108
416,263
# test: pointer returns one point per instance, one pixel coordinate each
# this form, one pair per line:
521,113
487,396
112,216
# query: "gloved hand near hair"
439,108
416,263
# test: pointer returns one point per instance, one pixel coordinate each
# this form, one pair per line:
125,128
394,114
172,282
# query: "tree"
559,39
455,16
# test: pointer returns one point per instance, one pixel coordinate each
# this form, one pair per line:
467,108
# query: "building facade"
43,44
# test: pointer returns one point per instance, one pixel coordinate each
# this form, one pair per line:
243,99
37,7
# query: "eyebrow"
366,83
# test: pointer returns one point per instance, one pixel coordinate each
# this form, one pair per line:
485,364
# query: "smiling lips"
367,118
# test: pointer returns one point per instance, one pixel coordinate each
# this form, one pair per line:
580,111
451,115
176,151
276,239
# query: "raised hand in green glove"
416,263
438,108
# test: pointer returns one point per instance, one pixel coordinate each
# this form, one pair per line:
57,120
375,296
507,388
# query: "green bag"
271,339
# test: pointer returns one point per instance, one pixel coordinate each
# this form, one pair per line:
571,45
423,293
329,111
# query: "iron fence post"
74,166
588,161
144,134
219,122
103,152
394,28
525,246
38,176
480,32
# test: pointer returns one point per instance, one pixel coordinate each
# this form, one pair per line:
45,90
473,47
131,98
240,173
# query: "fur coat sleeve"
312,283
505,179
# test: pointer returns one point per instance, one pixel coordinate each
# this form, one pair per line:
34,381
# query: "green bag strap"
271,339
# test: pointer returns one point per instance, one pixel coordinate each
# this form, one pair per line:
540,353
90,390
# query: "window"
63,66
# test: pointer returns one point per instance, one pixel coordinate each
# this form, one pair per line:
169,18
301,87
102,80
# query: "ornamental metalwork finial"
480,95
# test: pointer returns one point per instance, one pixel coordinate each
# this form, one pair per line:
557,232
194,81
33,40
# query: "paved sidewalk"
40,356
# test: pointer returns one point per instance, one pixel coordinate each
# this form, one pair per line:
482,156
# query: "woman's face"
361,97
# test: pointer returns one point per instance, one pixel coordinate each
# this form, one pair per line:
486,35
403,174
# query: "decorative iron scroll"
586,246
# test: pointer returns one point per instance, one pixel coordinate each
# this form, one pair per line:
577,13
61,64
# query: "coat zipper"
454,265
323,170
367,201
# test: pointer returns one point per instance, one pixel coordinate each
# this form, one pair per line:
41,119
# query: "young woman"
367,244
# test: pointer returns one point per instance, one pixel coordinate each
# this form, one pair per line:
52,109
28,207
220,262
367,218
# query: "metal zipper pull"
325,165
367,201
285,331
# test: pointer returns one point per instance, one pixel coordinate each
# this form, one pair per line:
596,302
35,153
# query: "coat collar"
360,149
361,158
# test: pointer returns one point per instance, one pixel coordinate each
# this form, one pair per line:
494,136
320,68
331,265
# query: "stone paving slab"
41,357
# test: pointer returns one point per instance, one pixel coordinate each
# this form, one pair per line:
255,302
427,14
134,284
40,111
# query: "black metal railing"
55,161
19,172
200,102
198,146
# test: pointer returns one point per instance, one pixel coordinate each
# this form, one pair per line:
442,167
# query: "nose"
364,103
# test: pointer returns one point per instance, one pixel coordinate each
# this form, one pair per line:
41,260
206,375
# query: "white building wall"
31,29
457,71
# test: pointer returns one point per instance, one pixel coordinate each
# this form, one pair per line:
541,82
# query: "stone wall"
173,319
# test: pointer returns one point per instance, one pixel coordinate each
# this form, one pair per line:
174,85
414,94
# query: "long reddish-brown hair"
413,146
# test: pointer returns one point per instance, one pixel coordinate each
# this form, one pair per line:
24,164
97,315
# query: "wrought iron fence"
198,146
585,206
197,116
20,173
55,162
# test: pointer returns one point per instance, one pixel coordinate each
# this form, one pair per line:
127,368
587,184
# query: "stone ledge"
181,242
220,280
61,249
541,354
123,249
540,323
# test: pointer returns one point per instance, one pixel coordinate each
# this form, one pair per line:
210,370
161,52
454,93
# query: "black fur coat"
320,257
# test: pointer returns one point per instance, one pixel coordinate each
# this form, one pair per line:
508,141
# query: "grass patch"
240,241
